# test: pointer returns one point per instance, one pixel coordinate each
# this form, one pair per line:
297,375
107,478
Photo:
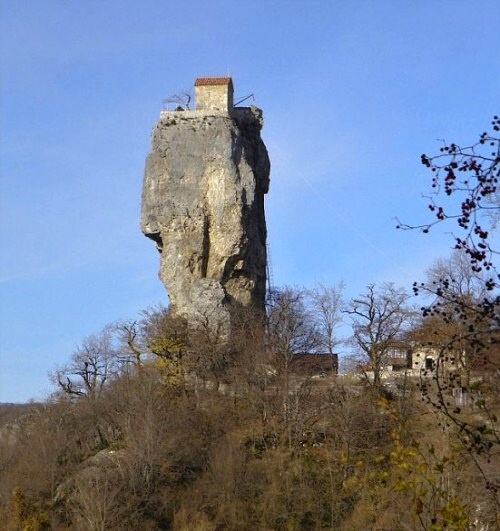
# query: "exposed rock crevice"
156,237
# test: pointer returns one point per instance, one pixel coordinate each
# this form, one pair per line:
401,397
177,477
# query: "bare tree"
456,278
290,332
291,328
92,365
326,303
248,342
209,352
96,500
379,319
182,100
132,348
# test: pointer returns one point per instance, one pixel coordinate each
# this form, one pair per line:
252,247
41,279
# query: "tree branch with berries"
464,195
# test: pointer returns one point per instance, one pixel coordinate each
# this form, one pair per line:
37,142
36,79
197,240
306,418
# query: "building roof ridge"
203,81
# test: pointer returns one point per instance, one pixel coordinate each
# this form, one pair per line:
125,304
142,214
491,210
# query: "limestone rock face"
203,205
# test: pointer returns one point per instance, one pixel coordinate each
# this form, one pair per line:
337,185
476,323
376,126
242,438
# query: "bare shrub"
96,501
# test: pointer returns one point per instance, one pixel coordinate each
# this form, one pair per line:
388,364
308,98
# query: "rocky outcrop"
203,205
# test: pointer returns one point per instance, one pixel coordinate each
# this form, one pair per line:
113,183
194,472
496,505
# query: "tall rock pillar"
203,205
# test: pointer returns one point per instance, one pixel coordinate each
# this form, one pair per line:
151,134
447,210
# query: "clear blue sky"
353,92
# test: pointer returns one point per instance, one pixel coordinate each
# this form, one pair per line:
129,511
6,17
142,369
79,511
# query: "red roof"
213,81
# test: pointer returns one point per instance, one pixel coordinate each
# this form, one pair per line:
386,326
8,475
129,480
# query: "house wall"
214,97
419,357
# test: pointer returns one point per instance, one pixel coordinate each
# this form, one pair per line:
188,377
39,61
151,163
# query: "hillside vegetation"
152,431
